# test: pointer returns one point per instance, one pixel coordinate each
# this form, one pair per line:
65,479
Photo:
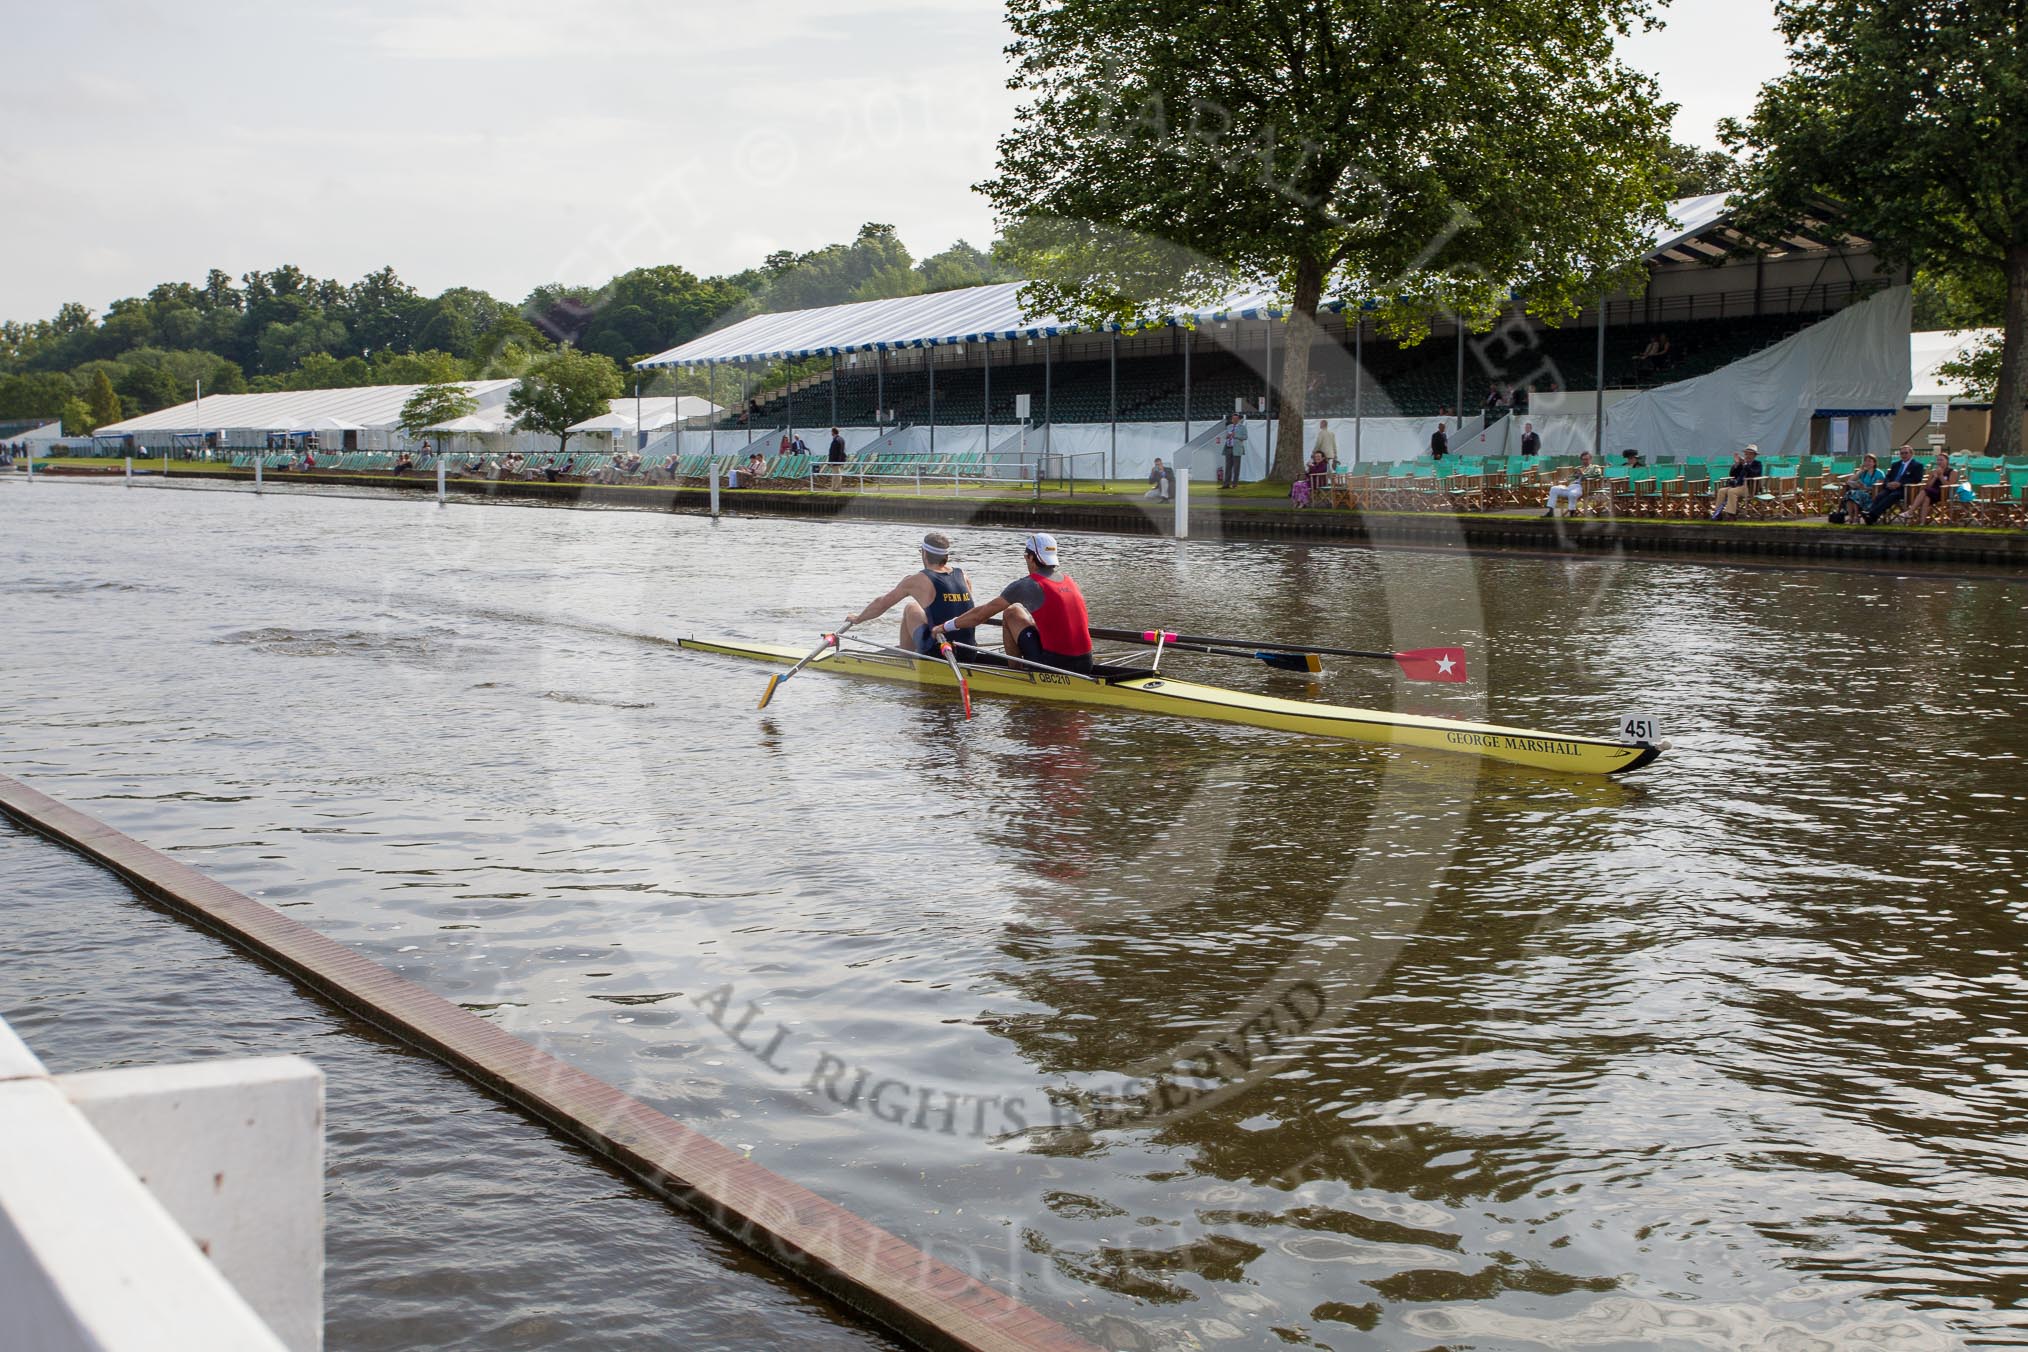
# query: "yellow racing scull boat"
1147,692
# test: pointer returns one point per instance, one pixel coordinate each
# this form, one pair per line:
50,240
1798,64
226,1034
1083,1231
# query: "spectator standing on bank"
1531,440
836,457
1439,444
1232,440
1327,443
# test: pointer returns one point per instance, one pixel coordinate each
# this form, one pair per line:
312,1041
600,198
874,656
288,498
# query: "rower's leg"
1013,620
913,617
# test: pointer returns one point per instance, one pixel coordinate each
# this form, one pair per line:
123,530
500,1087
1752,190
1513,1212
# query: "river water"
1189,1035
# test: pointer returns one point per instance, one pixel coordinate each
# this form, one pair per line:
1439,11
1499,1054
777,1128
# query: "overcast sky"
504,143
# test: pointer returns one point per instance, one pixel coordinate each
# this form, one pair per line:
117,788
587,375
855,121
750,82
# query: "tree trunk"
1295,384
2005,437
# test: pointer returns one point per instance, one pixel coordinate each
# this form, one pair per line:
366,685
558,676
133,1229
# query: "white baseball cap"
1043,546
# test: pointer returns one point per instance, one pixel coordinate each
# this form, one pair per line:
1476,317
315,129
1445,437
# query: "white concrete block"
88,1257
235,1151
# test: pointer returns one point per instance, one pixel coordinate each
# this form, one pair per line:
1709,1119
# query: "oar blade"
769,693
1305,662
1432,664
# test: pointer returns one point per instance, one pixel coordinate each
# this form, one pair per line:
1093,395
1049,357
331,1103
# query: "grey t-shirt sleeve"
1023,591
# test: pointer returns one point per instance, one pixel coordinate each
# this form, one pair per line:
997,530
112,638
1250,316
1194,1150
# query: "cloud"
506,143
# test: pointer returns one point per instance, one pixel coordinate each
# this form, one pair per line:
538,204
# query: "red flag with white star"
1432,664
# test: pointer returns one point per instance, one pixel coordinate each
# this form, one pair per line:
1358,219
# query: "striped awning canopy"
1697,229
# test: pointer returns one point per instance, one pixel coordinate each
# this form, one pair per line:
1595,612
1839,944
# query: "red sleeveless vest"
1062,625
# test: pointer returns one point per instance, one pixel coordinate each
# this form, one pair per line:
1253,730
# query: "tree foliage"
284,329
1697,171
77,418
565,387
1976,369
434,404
1952,300
105,404
1909,118
648,310
1170,152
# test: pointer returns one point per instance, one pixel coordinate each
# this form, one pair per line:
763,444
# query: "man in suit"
1531,440
1232,441
1904,474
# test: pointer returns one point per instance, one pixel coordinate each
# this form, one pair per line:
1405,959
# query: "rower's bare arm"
880,606
980,613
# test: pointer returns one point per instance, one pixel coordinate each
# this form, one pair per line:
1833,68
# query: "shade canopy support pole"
1358,381
1598,395
1113,402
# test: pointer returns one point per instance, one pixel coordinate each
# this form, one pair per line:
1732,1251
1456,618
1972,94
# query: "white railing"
987,469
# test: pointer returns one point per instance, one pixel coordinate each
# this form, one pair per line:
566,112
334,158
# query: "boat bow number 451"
1148,692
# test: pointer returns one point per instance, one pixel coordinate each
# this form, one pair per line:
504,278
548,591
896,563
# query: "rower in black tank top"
950,597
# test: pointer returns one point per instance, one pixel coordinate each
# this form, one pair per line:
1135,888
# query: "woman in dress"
1931,493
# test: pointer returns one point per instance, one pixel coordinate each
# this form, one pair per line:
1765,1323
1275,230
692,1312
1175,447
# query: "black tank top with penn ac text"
950,597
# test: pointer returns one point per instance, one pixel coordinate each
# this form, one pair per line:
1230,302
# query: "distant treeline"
285,329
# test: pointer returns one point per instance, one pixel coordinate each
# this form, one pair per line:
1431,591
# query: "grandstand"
952,364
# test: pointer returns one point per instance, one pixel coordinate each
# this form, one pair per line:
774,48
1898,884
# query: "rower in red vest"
1045,621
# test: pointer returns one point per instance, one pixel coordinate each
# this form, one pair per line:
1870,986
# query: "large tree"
564,387
1432,157
1911,118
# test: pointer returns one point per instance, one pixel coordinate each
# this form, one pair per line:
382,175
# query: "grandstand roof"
973,314
1706,233
1697,230
361,407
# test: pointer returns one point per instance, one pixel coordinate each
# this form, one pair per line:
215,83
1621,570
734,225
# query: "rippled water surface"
450,1222
1190,1035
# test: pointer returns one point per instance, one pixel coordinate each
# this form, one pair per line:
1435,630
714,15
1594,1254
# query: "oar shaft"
1147,638
890,649
775,682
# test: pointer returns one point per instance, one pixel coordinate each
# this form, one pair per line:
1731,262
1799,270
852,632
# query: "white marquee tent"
371,412
1929,351
654,413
